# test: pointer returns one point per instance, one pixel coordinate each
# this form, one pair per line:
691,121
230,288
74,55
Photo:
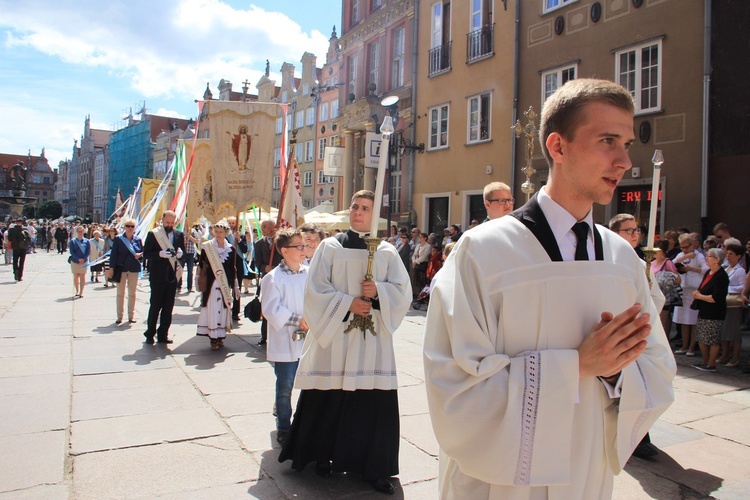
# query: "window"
480,40
285,96
307,178
335,141
439,127
276,157
306,89
299,150
550,5
276,182
376,4
638,70
353,61
399,50
279,124
309,151
310,116
300,119
289,122
334,109
394,200
323,115
553,79
440,54
373,63
321,148
324,179
354,13
479,118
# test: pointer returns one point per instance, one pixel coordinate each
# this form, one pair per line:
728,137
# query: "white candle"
657,160
386,129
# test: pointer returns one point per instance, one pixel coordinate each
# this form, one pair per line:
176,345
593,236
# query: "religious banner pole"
650,250
365,323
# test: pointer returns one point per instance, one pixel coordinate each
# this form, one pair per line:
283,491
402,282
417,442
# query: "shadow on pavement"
651,473
147,353
307,484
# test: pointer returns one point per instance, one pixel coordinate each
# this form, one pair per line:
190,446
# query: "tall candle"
657,160
386,129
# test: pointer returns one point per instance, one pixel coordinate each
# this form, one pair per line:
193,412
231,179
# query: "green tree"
50,209
29,211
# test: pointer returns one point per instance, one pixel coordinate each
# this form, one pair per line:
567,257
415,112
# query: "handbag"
734,300
116,274
253,309
672,292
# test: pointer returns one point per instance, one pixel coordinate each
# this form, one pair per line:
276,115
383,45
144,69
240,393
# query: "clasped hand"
361,306
614,343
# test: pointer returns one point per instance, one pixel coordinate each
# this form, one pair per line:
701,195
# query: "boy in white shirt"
282,299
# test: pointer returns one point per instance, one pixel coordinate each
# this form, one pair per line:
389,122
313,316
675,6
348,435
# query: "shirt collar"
288,270
560,220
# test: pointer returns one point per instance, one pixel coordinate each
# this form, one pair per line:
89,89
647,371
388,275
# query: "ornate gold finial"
530,132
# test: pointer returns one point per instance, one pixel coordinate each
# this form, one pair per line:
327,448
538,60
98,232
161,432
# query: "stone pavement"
87,411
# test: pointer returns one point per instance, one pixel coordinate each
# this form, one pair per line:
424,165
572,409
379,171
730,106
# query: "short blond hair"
492,187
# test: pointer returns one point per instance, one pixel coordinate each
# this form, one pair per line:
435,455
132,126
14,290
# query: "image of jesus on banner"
241,147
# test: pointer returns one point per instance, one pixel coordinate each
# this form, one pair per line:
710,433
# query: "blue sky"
62,60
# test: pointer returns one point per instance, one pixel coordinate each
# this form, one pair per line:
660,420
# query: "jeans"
285,372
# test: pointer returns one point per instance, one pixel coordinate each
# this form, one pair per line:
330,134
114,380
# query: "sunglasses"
130,226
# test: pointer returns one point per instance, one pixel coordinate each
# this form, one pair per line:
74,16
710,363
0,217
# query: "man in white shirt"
545,360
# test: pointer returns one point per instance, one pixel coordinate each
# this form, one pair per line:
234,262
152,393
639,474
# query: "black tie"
581,230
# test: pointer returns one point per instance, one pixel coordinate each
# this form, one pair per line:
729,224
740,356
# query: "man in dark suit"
164,246
264,262
16,238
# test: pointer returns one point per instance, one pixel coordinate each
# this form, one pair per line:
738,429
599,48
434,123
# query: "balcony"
480,44
440,59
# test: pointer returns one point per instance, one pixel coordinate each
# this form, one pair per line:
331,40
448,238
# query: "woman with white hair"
124,268
217,281
710,299
97,250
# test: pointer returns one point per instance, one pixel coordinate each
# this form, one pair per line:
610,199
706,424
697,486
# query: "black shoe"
149,340
323,469
384,486
118,321
165,341
645,450
131,321
282,436
262,342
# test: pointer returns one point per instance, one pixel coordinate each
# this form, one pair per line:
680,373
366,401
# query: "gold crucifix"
530,132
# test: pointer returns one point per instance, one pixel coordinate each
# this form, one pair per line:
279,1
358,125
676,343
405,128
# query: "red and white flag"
292,209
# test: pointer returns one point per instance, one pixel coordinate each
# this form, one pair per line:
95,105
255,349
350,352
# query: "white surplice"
332,359
511,416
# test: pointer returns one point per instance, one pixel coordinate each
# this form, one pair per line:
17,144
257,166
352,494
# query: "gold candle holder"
365,323
649,253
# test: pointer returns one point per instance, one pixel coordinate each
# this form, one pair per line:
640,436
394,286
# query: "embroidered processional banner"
150,191
200,200
242,153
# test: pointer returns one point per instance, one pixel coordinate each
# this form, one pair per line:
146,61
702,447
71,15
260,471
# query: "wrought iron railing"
440,59
480,43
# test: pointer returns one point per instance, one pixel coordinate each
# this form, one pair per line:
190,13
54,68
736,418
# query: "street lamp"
397,148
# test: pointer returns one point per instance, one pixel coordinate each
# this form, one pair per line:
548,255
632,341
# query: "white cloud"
170,113
165,49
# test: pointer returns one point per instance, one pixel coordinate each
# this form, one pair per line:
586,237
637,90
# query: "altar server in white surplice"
347,417
545,360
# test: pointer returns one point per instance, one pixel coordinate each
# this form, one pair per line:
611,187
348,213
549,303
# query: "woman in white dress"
217,258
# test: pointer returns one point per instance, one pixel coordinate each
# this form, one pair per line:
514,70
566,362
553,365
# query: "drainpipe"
706,103
514,117
412,132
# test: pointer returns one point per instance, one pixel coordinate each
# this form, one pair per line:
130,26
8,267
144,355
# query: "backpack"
25,241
